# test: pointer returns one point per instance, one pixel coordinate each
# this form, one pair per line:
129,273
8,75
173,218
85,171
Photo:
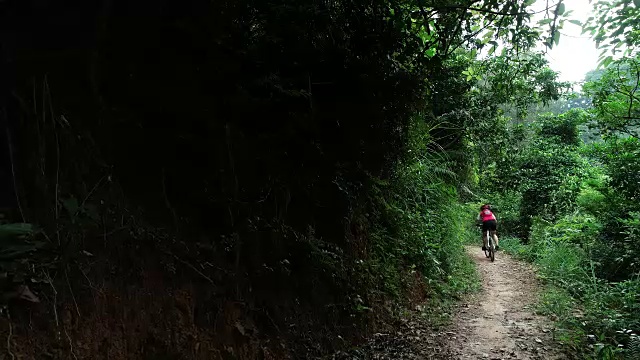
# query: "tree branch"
494,12
633,92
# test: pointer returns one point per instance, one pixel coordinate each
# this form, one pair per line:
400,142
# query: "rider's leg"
494,235
484,239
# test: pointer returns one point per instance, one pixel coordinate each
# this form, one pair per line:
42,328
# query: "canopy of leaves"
519,80
282,141
615,27
616,97
445,26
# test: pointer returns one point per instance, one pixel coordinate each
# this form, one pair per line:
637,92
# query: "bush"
564,128
418,224
591,200
578,229
580,217
587,307
514,246
506,206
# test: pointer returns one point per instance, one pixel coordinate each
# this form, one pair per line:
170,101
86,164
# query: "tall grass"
595,318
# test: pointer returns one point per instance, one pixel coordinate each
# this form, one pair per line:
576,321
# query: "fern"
634,347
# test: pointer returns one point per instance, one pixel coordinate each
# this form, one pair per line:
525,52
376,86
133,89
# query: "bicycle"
490,250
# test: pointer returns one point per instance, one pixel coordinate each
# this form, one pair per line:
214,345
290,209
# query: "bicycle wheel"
492,249
486,249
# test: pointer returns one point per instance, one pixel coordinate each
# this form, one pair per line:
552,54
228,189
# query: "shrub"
506,206
587,307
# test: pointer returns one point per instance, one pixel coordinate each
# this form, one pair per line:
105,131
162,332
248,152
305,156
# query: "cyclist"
489,222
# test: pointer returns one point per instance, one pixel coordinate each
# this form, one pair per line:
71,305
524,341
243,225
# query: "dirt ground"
499,322
496,323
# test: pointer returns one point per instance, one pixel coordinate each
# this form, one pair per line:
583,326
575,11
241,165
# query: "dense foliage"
287,170
574,207
614,27
294,174
565,185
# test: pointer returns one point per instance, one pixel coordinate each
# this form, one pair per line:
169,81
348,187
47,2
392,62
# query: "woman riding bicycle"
489,222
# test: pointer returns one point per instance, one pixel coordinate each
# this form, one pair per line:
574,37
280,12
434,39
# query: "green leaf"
71,205
607,61
619,31
15,251
430,52
14,242
577,22
636,3
15,230
487,37
560,8
556,37
545,21
529,2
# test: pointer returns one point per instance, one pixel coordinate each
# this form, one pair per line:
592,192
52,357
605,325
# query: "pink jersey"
486,215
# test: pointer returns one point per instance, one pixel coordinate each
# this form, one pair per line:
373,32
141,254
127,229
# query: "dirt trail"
497,323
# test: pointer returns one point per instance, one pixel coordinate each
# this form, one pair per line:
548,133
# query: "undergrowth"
420,227
594,318
571,209
463,279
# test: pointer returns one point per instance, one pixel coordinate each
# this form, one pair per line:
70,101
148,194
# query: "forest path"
498,322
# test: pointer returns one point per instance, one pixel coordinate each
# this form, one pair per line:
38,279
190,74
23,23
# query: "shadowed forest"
283,180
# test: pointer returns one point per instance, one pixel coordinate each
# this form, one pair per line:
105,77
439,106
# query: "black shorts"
489,225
